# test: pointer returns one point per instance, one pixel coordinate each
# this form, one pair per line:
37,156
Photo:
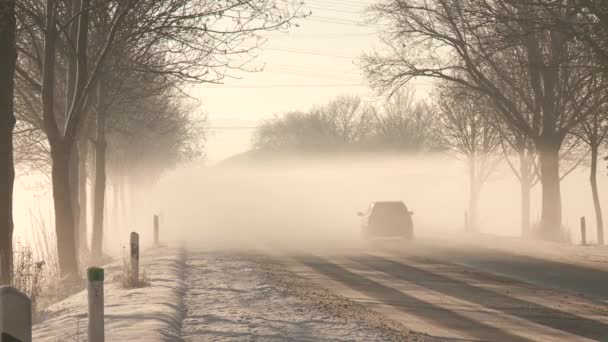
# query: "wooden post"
15,315
95,278
134,258
583,232
156,228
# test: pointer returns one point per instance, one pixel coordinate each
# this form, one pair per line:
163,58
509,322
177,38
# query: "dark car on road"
387,219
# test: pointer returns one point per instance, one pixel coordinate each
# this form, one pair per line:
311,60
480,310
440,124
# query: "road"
465,292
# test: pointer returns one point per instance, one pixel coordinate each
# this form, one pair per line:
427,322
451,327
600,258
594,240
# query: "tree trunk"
100,180
75,192
115,203
64,218
596,197
83,236
123,218
551,214
526,187
8,59
100,188
473,195
60,152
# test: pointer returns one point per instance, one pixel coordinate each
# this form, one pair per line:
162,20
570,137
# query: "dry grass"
41,238
29,275
126,277
36,265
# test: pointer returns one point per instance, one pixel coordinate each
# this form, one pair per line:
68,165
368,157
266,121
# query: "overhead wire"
305,52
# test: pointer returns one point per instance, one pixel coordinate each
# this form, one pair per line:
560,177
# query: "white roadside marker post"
134,258
156,230
15,315
95,278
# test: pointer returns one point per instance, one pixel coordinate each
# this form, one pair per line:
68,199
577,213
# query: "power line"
272,86
315,76
347,4
323,35
338,10
342,20
305,52
332,21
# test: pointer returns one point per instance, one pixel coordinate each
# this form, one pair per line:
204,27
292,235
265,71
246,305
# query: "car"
388,219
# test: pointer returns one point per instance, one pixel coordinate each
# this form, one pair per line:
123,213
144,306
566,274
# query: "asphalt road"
459,293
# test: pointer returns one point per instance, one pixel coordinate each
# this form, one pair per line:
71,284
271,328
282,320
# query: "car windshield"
389,209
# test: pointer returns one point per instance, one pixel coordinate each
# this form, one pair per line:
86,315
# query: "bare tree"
294,131
406,125
497,49
525,168
594,132
465,122
65,51
8,59
591,28
349,119
345,123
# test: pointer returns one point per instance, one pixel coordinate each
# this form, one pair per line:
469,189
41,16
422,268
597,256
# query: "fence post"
134,258
583,232
15,315
95,278
156,228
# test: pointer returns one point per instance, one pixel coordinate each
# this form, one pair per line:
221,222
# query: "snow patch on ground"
218,296
232,298
151,313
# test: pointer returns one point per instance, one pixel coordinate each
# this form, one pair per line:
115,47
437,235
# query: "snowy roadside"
593,256
241,297
152,313
206,295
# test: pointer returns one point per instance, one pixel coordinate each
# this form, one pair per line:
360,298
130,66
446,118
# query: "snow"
205,295
151,313
231,299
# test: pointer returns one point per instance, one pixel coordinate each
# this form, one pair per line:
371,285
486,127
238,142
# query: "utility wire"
305,52
274,86
322,35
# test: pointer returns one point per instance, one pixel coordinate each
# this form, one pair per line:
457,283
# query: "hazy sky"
311,64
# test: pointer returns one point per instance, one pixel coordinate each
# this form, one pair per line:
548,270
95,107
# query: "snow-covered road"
327,291
230,297
457,294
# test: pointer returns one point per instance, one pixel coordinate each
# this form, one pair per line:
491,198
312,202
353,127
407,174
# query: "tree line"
455,119
92,92
350,124
539,67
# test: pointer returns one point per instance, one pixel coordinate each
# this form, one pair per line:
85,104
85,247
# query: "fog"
316,200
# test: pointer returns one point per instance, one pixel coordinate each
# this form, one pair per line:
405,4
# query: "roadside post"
95,278
583,232
156,230
15,315
134,257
